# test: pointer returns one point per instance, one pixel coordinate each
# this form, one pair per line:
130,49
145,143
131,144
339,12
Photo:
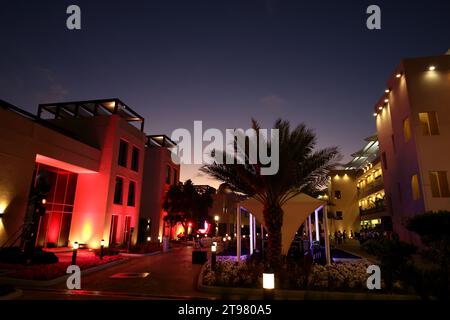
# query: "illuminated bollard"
269,286
213,257
74,253
102,246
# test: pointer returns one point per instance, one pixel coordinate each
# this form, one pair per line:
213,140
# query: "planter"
257,294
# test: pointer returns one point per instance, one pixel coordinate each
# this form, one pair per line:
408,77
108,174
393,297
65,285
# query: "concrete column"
316,220
250,220
238,232
327,236
310,230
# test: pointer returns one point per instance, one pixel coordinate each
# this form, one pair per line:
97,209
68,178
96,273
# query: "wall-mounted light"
380,108
387,90
216,218
398,75
431,68
386,100
375,114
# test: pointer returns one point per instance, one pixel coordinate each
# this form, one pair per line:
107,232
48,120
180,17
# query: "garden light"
102,246
268,285
75,247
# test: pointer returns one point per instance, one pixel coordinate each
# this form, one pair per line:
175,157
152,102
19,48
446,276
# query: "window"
175,176
415,187
118,192
337,194
439,184
338,215
429,123
168,171
384,160
406,129
123,150
131,194
135,159
127,230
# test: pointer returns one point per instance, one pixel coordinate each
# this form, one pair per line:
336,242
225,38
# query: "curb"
48,283
137,255
281,294
13,295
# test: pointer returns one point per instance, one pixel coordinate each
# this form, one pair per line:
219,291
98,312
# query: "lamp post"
213,256
74,253
102,246
268,286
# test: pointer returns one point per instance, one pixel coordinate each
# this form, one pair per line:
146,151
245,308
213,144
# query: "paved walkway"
172,276
353,246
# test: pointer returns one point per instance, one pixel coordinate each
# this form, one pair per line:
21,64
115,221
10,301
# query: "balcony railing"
379,206
374,186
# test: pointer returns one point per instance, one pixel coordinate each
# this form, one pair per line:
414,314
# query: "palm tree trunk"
273,217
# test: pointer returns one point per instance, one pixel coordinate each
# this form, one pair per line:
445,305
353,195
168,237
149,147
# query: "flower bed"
56,270
342,277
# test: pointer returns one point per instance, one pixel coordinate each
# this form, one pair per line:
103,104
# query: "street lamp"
75,247
102,246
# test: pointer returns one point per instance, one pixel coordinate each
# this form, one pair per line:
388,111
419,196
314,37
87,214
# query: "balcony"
373,187
378,207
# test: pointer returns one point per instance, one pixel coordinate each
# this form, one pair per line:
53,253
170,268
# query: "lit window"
123,151
131,194
429,123
337,194
118,192
415,187
439,184
406,129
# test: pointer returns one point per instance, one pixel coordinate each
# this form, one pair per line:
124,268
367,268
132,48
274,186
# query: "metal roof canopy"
160,140
91,108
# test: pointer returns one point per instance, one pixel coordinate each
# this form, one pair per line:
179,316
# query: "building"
356,193
413,125
160,173
92,154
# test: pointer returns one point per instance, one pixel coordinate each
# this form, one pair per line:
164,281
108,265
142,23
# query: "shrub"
43,257
433,229
395,259
12,255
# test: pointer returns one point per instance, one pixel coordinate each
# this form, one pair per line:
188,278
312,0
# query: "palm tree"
302,169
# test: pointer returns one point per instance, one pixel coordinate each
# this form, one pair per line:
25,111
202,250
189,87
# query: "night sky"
222,62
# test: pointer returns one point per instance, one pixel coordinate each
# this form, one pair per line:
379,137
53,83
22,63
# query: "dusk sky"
222,62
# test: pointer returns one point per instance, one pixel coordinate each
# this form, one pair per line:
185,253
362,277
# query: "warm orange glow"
387,90
375,114
386,100
431,68
398,75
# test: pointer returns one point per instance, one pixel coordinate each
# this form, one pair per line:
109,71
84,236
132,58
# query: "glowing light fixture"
213,248
216,218
387,90
149,239
386,100
229,238
102,243
431,68
380,108
268,281
75,245
398,75
375,114
224,239
44,201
